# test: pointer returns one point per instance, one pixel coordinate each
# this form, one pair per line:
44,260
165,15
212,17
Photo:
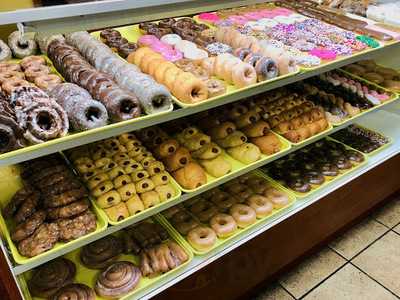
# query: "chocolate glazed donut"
117,280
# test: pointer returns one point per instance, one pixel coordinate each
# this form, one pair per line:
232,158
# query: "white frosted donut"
244,75
195,54
171,39
185,45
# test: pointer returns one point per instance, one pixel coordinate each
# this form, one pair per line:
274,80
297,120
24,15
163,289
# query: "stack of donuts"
208,154
153,97
219,213
226,135
294,117
52,206
183,85
234,38
311,166
369,70
11,134
113,39
122,176
177,159
121,105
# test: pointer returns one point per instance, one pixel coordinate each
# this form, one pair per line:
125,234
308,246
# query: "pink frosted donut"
253,15
209,17
240,20
147,40
173,55
323,53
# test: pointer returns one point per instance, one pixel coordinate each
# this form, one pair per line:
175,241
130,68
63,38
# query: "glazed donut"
278,198
223,225
215,87
223,201
9,86
47,82
5,51
117,280
7,75
244,215
261,205
10,66
21,46
202,238
35,71
244,75
189,89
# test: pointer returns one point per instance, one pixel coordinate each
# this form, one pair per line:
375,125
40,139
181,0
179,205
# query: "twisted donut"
117,280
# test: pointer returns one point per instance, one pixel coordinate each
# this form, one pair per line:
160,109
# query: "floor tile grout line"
380,222
374,241
394,232
286,290
372,278
325,279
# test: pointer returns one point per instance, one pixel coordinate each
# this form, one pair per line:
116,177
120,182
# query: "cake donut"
202,238
20,45
117,280
5,51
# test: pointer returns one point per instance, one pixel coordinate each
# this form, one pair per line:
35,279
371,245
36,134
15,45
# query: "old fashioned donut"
5,51
224,225
29,61
261,205
202,238
244,75
189,89
21,46
35,71
244,215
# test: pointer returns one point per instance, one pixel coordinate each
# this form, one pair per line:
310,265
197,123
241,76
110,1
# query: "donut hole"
214,150
229,130
102,188
171,149
202,142
140,175
120,218
159,101
252,119
195,93
124,182
127,106
164,178
128,193
145,185
111,165
120,173
157,170
22,44
243,139
134,166
183,160
169,195
110,199
92,114
44,121
203,235
222,222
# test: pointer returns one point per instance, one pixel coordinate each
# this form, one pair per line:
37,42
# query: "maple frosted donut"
189,89
244,215
47,82
224,225
261,205
202,238
21,46
244,75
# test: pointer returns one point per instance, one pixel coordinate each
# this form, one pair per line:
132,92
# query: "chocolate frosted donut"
101,253
75,291
50,277
21,46
83,112
117,280
5,51
120,104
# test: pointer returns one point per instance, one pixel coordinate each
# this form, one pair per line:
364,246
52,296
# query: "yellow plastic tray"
88,276
10,183
132,33
220,241
390,141
73,135
328,179
238,166
394,97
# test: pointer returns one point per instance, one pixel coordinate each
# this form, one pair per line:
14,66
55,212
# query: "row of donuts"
51,206
221,212
310,167
123,176
109,265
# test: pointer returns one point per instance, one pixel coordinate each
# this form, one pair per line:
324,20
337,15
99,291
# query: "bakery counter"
97,134
377,120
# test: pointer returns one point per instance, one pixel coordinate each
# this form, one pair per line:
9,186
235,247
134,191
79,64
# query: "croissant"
216,167
190,176
196,141
257,129
235,139
208,151
222,131
179,159
246,153
166,148
268,144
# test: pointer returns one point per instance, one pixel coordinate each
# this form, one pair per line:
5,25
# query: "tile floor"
362,264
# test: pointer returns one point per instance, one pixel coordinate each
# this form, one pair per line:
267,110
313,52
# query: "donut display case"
151,149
